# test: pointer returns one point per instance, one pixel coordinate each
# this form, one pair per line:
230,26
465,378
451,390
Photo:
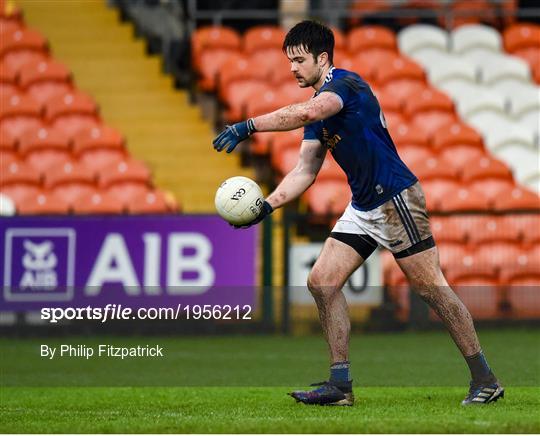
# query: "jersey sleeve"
344,87
313,131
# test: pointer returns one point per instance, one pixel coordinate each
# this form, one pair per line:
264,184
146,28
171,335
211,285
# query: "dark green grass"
410,382
261,410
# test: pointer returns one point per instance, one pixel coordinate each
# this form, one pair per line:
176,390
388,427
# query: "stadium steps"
161,127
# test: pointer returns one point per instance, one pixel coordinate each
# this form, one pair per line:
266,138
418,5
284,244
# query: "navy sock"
340,372
480,370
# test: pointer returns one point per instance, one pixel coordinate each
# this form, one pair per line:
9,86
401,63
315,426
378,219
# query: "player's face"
305,68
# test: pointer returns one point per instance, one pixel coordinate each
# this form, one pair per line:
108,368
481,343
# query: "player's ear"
323,58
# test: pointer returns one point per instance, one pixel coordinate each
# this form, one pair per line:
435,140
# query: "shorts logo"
39,264
396,243
379,189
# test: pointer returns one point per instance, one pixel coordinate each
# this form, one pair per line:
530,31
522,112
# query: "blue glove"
233,135
266,210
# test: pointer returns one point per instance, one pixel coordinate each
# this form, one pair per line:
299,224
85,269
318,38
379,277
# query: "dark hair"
313,37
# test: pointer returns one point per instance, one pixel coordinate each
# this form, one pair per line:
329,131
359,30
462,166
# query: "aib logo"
39,264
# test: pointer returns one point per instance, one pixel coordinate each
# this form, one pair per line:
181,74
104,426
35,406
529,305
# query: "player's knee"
320,284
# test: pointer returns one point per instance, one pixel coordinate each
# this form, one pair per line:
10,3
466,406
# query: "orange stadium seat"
451,253
72,103
461,155
240,68
431,121
8,25
523,292
457,134
434,168
375,58
404,89
470,12
72,112
531,55
446,229
17,192
528,226
7,141
367,37
271,60
16,110
437,190
393,118
127,191
364,9
492,187
212,37
263,37
513,198
43,147
328,197
94,138
260,142
362,69
498,253
267,102
212,62
428,100
98,158
520,36
284,150
7,74
480,293
403,135
19,172
414,154
127,177
19,58
22,39
8,90
339,56
388,102
152,202
330,170
486,168
296,93
70,180
43,203
236,94
464,199
43,71
98,203
399,68
340,41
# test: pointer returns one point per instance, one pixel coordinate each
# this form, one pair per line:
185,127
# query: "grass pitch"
404,383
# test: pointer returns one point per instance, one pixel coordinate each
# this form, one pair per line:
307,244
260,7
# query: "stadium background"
107,114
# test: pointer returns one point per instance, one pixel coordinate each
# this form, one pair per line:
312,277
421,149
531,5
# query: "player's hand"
233,135
266,210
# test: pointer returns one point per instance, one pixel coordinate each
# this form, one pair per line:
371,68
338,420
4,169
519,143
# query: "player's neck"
320,82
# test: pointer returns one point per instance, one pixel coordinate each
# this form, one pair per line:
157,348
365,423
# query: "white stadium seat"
480,100
524,161
510,86
533,183
499,131
451,68
531,120
503,67
429,56
457,87
524,101
473,36
420,36
7,206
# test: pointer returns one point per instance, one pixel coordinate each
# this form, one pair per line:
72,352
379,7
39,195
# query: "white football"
239,200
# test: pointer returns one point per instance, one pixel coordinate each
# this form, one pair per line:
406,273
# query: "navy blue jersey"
359,141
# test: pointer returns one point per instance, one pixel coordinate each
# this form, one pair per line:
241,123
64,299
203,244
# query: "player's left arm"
289,117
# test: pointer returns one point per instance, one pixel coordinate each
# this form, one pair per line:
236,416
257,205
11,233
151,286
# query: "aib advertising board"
138,261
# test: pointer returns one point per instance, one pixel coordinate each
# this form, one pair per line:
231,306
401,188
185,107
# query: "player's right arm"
295,183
